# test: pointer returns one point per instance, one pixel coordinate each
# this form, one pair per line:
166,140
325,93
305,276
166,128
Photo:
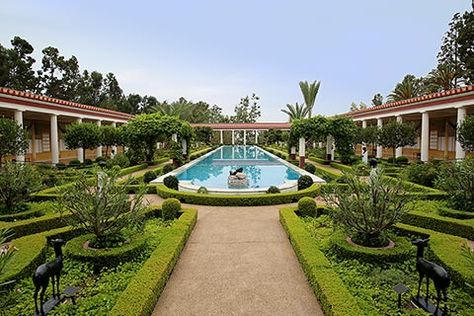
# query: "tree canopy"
465,134
396,134
82,135
13,138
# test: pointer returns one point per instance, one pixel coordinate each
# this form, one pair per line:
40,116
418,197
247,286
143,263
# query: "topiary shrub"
171,182
74,163
304,182
422,173
60,166
202,190
168,168
273,189
149,176
361,169
307,207
402,160
170,208
88,162
119,160
310,168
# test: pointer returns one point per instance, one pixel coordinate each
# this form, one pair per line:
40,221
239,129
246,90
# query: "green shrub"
168,168
401,160
170,208
116,169
307,207
88,162
237,200
457,179
74,163
60,166
171,182
202,190
421,173
149,176
100,159
304,182
361,169
310,168
273,189
118,160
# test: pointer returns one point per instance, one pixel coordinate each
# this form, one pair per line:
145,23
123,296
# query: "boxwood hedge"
329,289
143,291
237,200
36,225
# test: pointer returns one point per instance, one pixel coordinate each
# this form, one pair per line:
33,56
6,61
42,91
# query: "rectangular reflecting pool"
261,168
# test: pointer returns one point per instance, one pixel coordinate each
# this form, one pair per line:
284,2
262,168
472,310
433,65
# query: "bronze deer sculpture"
46,271
432,271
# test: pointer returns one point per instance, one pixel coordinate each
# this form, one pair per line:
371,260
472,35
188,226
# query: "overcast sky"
218,51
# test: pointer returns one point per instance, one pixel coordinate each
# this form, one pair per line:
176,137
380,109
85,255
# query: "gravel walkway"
238,261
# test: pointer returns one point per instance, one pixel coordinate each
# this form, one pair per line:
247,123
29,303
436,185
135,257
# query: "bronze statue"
46,271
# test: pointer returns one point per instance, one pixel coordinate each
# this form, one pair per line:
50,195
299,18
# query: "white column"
98,152
54,140
80,151
256,137
379,148
233,137
19,121
114,147
330,147
302,151
245,137
425,136
399,150
174,137
460,153
364,124
184,146
222,137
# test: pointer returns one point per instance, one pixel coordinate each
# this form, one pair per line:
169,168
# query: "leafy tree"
216,116
13,138
465,134
111,92
377,99
248,110
102,207
444,77
82,135
17,66
368,208
409,87
90,88
395,134
272,136
17,182
344,132
296,112
203,134
368,135
355,107
185,110
109,136
309,91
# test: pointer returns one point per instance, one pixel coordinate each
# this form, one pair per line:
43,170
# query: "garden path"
238,261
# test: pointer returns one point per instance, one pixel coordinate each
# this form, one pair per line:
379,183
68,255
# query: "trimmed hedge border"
329,289
402,250
237,200
446,249
319,160
36,225
447,225
104,257
34,210
340,166
143,291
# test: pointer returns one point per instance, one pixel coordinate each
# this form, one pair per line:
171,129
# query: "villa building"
46,119
435,116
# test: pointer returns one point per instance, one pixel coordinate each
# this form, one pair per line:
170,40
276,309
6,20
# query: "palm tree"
296,112
407,89
185,110
444,77
309,91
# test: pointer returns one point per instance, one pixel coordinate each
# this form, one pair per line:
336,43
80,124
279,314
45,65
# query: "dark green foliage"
307,207
13,138
310,168
60,166
88,162
202,190
402,160
170,208
120,160
395,134
82,135
149,176
457,179
422,173
465,133
17,182
203,134
74,163
109,136
171,182
237,200
304,182
100,159
273,189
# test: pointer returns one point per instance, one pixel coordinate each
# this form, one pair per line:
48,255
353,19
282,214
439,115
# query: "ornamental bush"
422,173
310,168
149,176
74,163
307,207
202,190
88,162
304,182
457,179
119,160
170,208
171,182
168,168
273,189
402,160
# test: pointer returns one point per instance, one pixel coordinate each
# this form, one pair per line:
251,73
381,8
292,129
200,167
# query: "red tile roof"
248,126
42,98
428,97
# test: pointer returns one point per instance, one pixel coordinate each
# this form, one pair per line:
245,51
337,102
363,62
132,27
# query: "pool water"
262,170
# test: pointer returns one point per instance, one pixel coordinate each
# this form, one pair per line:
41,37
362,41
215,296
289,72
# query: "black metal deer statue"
432,271
46,271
